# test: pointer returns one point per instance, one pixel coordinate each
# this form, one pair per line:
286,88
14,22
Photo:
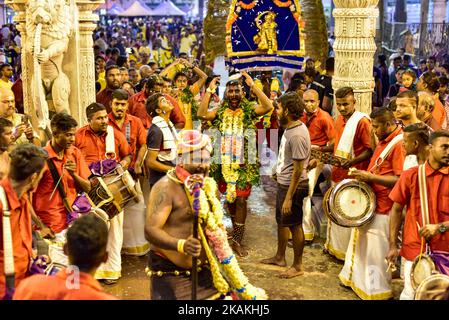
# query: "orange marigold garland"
282,4
248,6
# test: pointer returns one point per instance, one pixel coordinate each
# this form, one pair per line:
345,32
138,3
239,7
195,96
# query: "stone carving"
354,47
48,27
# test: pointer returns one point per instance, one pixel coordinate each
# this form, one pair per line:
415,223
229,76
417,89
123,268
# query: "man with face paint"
234,101
407,193
369,243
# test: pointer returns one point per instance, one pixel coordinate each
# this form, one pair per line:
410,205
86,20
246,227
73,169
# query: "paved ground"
320,281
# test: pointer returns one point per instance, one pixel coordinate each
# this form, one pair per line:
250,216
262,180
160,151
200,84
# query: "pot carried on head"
350,203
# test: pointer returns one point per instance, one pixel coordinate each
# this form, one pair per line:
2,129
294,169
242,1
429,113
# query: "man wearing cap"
169,223
236,183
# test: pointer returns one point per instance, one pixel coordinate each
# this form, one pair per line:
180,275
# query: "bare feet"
238,249
291,273
275,261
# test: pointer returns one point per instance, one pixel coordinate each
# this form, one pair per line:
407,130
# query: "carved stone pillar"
78,63
354,47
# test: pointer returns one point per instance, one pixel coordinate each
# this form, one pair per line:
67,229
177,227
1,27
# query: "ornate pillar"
78,62
354,47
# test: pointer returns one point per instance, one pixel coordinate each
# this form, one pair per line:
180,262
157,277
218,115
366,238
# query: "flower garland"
283,4
245,170
226,272
248,6
232,128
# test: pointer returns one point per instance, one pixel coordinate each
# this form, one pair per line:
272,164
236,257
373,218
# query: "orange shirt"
406,193
105,97
134,132
41,287
438,112
21,235
93,146
52,211
362,142
321,127
138,109
391,166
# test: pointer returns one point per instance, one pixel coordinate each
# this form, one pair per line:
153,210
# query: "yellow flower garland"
227,274
232,151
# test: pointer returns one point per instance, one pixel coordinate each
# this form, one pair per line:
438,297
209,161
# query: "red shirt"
391,166
362,142
52,211
93,146
138,109
136,135
321,127
20,220
105,97
62,286
406,193
438,112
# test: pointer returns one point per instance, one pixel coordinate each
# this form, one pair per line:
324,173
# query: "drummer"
134,242
69,169
365,270
353,144
407,193
93,141
322,133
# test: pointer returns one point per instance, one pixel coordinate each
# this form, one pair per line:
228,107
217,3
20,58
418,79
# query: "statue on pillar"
48,28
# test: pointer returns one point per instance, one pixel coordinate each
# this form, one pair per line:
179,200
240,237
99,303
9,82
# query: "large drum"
423,267
435,287
350,203
112,192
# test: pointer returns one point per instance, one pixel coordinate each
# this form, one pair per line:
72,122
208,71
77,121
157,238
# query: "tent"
167,8
137,9
114,10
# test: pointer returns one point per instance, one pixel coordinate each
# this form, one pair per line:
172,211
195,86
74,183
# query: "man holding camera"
23,131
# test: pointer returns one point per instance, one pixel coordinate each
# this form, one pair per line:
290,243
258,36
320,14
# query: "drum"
325,157
422,268
435,287
112,192
350,203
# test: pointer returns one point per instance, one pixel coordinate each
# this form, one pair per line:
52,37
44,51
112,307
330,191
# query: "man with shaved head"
145,71
23,132
322,131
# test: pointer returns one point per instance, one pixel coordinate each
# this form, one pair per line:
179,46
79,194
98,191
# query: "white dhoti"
112,269
56,248
134,242
408,293
337,240
307,220
365,265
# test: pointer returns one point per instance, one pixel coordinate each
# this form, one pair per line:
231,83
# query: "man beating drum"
65,175
427,201
353,144
98,141
365,271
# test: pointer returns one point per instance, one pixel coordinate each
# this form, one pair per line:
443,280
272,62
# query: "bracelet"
181,243
210,91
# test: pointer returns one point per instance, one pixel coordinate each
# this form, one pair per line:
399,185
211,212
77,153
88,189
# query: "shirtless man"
169,226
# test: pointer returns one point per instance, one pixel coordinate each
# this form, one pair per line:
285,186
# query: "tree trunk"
316,42
423,29
400,11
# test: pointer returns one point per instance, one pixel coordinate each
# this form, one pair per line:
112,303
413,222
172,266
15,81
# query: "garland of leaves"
248,173
187,97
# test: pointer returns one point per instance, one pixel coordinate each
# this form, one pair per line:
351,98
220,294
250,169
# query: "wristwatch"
442,228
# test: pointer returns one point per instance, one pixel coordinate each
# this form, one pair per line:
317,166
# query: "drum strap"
386,152
128,132
7,241
423,194
59,185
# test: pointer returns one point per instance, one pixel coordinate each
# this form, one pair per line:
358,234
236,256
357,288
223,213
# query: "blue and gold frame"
245,27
